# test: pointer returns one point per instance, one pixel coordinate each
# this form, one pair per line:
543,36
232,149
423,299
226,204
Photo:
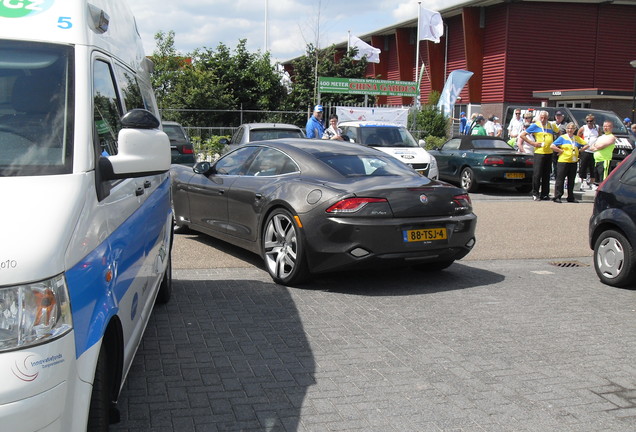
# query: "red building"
556,53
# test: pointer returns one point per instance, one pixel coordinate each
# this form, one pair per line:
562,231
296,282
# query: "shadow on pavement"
221,355
403,281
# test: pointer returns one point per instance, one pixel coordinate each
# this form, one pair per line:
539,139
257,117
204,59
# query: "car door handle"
147,184
221,191
258,196
139,191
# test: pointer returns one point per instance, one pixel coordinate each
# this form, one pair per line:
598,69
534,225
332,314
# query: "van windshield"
36,109
386,136
600,117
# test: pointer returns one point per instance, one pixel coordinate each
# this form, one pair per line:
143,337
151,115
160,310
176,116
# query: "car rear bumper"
351,243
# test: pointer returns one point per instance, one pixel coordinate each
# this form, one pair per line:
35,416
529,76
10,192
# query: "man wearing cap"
315,128
463,123
478,128
543,133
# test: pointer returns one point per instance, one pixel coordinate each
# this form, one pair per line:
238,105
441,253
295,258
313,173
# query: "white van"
85,219
395,140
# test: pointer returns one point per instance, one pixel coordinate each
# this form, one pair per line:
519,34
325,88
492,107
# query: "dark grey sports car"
309,206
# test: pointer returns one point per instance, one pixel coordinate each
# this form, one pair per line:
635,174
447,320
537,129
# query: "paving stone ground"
482,346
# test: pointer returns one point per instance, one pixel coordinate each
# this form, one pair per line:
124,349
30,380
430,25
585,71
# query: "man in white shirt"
516,125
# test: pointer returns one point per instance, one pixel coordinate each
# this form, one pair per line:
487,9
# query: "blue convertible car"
473,160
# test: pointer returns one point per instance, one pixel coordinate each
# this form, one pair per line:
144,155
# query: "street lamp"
633,119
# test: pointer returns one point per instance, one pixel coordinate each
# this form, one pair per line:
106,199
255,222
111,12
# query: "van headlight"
34,313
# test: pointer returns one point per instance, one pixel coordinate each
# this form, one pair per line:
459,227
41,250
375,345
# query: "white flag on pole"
431,26
453,87
364,50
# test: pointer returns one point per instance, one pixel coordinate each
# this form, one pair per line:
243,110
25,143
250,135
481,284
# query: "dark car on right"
612,228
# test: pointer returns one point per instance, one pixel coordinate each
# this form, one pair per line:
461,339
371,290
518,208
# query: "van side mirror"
139,119
142,148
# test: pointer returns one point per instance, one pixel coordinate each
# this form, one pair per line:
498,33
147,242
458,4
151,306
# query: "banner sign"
362,86
391,115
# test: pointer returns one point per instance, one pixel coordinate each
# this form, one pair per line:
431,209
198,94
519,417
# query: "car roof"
466,140
252,126
316,147
170,123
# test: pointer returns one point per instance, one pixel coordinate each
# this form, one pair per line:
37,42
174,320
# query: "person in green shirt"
478,128
603,149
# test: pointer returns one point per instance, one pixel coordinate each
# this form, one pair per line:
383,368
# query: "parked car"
250,132
181,148
624,143
393,139
612,229
309,206
474,160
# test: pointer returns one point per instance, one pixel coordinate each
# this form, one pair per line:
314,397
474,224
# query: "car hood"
36,225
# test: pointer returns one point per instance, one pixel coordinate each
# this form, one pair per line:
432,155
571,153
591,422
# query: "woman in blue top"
567,147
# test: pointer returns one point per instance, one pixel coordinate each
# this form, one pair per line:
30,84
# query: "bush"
433,142
209,149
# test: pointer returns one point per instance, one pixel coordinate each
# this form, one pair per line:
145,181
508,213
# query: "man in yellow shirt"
543,133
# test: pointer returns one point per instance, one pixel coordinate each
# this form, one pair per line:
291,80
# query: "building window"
574,104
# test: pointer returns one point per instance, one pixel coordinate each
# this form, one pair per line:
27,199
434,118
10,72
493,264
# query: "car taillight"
352,205
530,161
493,160
185,149
462,200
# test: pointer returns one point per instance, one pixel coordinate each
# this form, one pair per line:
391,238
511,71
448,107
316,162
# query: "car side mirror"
202,167
422,143
224,141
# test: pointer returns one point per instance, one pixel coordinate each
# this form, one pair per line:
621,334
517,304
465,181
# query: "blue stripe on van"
93,300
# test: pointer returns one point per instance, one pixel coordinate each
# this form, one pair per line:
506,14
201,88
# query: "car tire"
467,180
282,248
614,259
165,289
433,266
99,411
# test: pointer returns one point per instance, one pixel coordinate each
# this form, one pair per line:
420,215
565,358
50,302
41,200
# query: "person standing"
567,148
516,125
589,132
463,124
543,133
489,126
603,150
559,122
333,132
497,126
315,128
478,128
522,145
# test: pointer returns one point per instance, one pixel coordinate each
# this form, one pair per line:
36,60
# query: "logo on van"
23,8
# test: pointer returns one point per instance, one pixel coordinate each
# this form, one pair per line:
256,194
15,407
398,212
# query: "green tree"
430,122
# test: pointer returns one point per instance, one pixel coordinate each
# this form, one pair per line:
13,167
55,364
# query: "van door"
126,223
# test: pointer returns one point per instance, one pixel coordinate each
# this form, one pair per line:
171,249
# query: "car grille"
422,168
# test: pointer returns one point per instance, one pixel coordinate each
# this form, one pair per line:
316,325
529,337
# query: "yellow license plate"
425,234
515,175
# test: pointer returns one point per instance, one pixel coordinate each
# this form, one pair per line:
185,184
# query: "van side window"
107,109
129,89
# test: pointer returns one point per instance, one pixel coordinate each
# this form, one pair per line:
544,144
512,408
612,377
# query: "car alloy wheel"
283,251
613,259
468,180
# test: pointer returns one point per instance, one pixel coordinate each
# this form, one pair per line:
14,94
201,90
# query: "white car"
395,140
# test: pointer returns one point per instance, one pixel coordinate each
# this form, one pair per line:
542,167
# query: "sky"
292,24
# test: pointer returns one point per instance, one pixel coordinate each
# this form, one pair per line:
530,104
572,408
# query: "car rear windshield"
386,136
365,165
270,134
36,109
491,144
175,133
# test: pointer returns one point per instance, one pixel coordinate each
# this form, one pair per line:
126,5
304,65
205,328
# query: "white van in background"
86,221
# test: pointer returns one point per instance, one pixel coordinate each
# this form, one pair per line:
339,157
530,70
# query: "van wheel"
165,289
467,180
99,412
614,259
283,250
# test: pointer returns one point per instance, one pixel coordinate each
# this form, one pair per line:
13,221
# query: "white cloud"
292,23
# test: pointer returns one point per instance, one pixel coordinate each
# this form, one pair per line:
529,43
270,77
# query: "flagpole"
348,41
417,53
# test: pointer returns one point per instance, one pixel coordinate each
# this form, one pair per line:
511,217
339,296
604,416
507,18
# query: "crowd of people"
560,150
